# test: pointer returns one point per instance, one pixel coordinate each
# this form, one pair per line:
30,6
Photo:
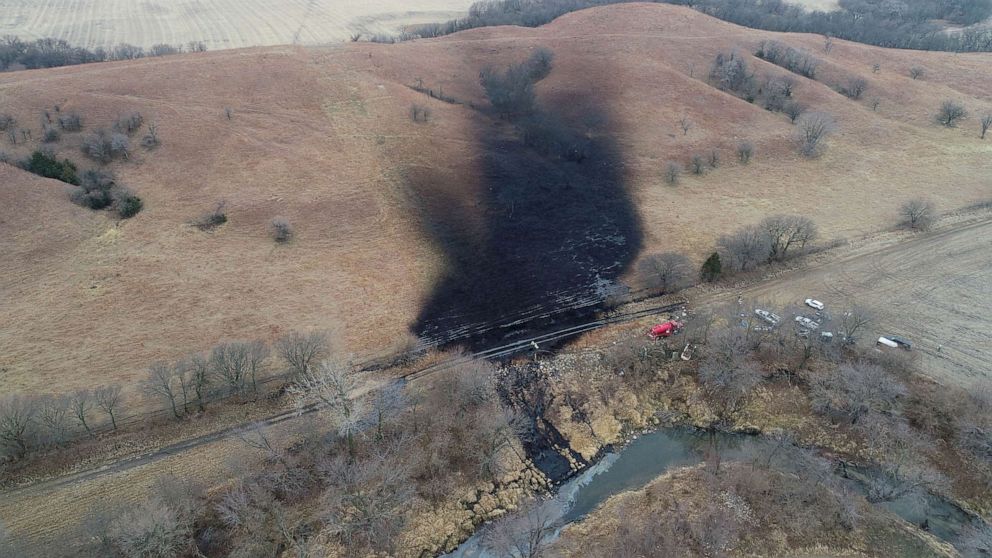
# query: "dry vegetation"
324,139
326,169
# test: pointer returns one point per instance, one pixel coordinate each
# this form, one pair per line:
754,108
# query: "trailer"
886,342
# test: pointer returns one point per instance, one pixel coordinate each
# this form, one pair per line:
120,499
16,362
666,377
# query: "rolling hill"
406,227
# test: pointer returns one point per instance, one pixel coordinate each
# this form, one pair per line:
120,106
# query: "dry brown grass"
323,138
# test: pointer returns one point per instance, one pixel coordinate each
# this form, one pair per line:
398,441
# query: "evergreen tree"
712,268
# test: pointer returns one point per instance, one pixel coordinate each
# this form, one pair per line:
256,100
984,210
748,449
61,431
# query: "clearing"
935,290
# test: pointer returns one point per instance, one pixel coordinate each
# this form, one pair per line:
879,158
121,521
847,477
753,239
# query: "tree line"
53,53
185,387
908,25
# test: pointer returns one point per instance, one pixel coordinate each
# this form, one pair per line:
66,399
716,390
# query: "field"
392,216
218,23
935,291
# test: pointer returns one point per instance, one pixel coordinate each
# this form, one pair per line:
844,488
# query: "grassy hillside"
386,209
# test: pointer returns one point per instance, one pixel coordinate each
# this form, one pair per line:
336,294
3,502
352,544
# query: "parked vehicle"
666,329
769,317
902,342
687,352
804,322
815,304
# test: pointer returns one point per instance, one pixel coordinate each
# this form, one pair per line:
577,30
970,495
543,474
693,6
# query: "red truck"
666,329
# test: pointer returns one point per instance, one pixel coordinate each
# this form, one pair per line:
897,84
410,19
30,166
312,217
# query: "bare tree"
195,371
53,414
828,43
873,103
902,469
330,386
685,124
239,363
366,500
744,249
950,113
161,382
793,110
855,390
7,122
81,402
813,128
668,271
853,320
918,214
152,530
301,351
916,72
109,399
17,423
785,232
673,171
524,534
745,150
727,377
986,123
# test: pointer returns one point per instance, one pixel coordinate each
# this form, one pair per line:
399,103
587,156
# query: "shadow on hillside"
558,228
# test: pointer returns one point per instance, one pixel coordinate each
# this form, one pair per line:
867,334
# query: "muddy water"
652,454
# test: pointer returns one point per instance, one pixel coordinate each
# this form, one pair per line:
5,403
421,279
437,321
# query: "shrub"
540,63
714,159
511,92
163,49
745,150
697,164
7,122
794,60
44,163
950,112
213,219
70,122
855,87
49,134
126,203
917,72
129,123
419,113
673,171
281,230
150,140
96,146
95,190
